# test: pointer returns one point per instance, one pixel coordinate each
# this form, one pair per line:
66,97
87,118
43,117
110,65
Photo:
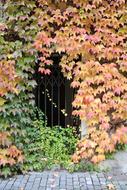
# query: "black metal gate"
54,97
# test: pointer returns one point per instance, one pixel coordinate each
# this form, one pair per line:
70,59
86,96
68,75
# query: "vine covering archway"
91,37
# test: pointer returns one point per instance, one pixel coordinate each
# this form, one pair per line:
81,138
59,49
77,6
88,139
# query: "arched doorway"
54,96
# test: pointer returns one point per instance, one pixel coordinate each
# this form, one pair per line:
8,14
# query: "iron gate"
54,97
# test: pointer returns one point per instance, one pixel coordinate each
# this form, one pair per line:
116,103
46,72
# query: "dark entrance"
54,96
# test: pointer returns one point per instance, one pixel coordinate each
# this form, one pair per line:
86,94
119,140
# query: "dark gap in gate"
54,96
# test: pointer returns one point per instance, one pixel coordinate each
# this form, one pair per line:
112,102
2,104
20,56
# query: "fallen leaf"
56,174
111,187
109,177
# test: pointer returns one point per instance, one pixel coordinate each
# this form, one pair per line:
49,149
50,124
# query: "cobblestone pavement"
62,180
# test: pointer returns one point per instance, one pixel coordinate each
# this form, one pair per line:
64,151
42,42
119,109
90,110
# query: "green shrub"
121,147
46,147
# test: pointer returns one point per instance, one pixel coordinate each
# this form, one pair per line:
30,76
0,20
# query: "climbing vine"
91,37
18,27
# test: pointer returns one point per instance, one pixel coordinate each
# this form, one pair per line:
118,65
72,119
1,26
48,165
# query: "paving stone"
3,184
97,187
76,183
42,188
8,186
16,184
69,187
28,186
43,183
82,179
123,187
62,186
83,188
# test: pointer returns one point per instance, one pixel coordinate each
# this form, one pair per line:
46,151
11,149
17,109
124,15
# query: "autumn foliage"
8,78
9,154
16,74
91,37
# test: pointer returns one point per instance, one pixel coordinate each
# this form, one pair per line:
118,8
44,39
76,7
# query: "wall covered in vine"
18,27
90,36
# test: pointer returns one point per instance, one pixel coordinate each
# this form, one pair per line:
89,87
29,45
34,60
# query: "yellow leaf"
10,56
99,150
2,101
16,91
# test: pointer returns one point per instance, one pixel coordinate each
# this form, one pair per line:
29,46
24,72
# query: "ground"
115,179
119,162
62,180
